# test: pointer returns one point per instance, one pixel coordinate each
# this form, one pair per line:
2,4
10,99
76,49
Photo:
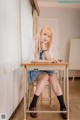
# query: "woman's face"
45,36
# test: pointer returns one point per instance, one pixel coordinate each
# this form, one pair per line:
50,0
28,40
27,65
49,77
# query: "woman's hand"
43,46
54,61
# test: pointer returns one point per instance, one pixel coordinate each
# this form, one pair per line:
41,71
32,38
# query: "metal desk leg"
24,93
67,95
64,84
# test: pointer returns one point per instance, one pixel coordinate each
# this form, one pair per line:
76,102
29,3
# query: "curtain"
10,51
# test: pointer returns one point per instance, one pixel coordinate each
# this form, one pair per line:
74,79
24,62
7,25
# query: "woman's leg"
55,84
42,81
57,90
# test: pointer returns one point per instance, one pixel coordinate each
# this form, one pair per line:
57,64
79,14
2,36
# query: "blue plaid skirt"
33,74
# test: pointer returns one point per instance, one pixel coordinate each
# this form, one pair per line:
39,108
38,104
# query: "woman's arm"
39,60
47,55
45,51
46,61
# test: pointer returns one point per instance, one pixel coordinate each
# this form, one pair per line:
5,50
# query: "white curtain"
15,33
10,53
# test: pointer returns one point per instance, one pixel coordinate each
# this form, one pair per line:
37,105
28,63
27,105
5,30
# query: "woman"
43,49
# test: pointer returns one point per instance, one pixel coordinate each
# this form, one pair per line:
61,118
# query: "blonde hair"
48,30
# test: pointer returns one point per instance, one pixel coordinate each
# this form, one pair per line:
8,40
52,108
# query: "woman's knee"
52,77
44,76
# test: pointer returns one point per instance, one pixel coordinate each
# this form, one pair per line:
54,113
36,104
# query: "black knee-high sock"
61,101
34,101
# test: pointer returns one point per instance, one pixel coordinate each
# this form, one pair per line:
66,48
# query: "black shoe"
33,114
64,115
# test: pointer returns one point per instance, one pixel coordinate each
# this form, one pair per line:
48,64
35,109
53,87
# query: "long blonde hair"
47,30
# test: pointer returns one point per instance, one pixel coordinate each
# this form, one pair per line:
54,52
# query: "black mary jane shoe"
64,115
33,114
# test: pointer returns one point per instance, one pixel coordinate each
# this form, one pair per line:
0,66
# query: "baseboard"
16,109
70,78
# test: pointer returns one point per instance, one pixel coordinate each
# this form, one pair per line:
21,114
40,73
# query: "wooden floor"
74,106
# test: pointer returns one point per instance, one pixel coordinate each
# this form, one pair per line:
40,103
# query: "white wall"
69,26
11,91
26,28
11,82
